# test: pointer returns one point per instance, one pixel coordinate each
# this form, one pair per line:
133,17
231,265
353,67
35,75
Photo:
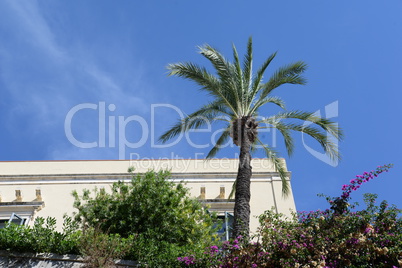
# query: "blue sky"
108,60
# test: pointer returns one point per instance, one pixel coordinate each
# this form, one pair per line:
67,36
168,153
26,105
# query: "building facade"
43,188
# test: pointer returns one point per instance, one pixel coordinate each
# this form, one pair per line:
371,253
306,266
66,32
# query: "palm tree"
238,95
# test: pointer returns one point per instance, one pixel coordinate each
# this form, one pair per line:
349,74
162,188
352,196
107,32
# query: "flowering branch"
339,204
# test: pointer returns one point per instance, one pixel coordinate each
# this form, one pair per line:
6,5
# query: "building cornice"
175,166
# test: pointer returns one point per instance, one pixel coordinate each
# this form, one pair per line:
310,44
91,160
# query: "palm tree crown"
238,94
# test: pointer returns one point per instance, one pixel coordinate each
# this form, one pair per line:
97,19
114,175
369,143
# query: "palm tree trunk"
242,195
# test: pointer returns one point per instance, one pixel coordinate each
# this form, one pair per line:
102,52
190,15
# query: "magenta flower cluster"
188,260
360,179
340,205
227,255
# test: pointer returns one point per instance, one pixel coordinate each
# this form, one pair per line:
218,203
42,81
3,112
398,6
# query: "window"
225,233
18,212
3,223
14,218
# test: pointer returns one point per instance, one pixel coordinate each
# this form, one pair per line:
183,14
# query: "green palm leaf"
278,165
218,145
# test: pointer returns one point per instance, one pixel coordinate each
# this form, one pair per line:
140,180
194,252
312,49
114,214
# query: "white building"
43,188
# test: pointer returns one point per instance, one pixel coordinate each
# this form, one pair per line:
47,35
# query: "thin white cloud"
109,89
67,152
60,78
37,30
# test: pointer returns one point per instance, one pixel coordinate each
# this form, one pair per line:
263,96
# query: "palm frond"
233,191
208,113
222,139
285,132
259,75
327,126
207,81
329,147
275,100
195,73
248,64
227,76
288,74
279,167
254,146
215,107
238,80
175,130
221,65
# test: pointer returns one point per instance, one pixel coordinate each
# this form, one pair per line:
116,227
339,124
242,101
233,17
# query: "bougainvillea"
336,237
340,204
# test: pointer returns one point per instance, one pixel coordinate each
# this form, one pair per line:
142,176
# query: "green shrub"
101,250
41,237
164,221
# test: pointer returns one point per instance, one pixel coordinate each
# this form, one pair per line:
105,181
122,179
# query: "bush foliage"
151,220
41,237
141,221
158,213
101,250
337,237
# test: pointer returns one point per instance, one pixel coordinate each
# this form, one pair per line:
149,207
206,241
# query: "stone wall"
48,260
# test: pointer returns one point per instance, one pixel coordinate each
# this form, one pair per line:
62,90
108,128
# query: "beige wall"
57,179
